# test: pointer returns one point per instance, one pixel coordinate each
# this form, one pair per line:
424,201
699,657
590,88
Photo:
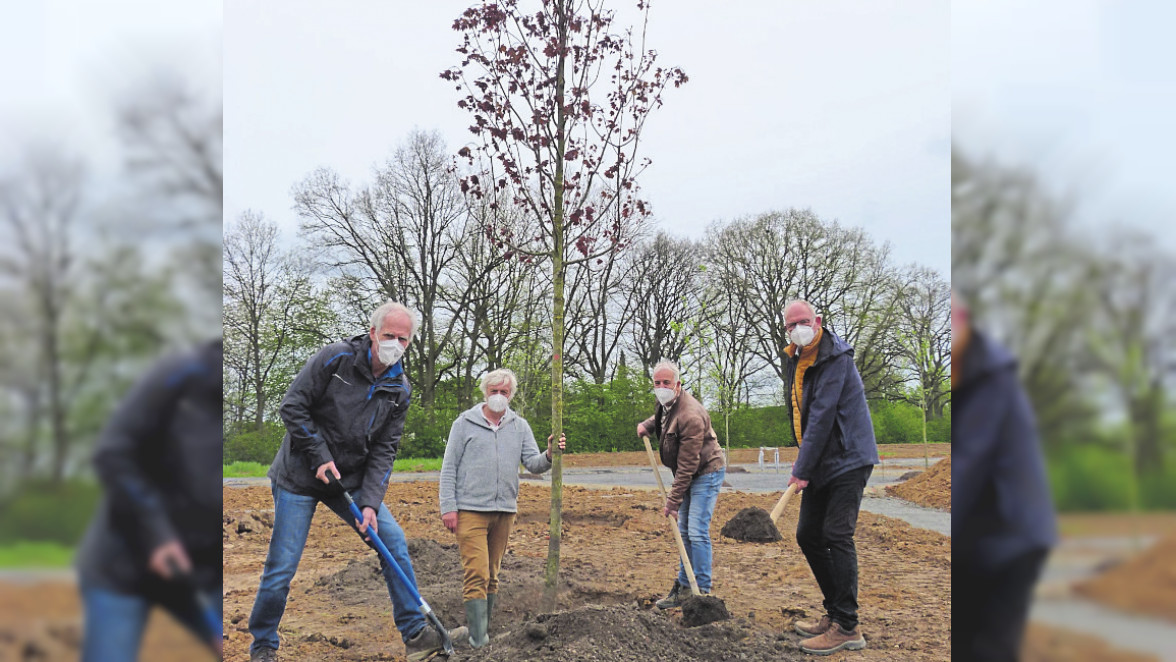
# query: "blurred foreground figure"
156,537
1002,519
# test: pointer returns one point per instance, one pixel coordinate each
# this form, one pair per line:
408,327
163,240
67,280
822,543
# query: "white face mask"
664,395
390,352
497,403
801,335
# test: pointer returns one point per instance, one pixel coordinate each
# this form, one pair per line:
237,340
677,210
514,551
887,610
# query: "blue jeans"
694,518
114,622
292,515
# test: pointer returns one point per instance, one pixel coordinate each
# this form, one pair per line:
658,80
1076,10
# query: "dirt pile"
1049,644
626,633
751,525
702,609
932,488
1145,584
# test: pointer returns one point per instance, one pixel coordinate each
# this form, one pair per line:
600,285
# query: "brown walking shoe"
834,639
813,628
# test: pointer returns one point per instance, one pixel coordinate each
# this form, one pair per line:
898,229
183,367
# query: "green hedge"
902,423
603,418
255,445
1092,477
44,512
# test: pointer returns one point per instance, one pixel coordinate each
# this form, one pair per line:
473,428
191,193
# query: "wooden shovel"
673,524
779,509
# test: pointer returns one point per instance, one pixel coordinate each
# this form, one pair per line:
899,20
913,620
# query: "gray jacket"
336,410
481,466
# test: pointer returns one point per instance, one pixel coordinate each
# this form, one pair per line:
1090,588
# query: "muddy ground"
618,557
931,488
40,622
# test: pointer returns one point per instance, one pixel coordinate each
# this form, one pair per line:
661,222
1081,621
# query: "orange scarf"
807,358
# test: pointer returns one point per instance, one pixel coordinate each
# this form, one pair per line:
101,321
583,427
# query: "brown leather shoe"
835,638
813,628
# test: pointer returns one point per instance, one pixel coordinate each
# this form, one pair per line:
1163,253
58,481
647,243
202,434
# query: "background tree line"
1089,315
102,270
715,304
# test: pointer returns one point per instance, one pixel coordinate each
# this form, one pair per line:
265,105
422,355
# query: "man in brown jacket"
688,446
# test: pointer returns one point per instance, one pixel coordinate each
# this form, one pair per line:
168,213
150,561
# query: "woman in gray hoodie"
480,488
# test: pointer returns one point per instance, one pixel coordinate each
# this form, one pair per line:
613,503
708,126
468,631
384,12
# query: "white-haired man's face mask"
498,397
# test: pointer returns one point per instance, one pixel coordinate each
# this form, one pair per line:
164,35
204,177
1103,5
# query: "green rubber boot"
476,620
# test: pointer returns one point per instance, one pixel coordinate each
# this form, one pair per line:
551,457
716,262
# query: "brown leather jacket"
687,443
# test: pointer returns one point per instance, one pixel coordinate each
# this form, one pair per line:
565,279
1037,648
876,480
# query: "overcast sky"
68,63
843,107
1081,91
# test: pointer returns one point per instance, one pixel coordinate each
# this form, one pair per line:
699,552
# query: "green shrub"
44,512
1090,477
255,445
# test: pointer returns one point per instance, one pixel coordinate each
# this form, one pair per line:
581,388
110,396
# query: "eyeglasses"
806,322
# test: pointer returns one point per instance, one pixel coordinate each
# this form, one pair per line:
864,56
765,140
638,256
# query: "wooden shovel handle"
779,509
673,524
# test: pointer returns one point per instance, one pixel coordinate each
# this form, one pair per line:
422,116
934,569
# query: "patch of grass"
245,470
25,554
258,470
417,464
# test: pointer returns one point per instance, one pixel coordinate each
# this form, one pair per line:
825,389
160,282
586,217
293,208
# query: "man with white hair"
688,446
479,491
344,414
831,422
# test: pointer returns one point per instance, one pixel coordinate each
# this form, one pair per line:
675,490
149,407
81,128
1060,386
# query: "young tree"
559,103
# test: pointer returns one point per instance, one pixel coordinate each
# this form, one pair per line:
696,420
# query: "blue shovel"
204,604
446,642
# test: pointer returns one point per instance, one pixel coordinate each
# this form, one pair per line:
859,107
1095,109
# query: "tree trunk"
56,404
555,529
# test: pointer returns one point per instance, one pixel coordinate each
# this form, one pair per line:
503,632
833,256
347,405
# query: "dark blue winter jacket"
1000,501
836,432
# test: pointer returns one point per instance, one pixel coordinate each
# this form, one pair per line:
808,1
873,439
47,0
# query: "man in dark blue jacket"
159,460
1002,517
344,414
832,425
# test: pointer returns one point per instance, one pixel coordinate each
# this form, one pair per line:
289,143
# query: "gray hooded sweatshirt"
481,466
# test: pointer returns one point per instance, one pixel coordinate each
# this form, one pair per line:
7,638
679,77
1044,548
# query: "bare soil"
931,488
618,557
745,455
1145,584
751,525
1049,644
42,621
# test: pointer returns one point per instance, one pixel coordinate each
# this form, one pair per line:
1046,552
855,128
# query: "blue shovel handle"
207,609
446,642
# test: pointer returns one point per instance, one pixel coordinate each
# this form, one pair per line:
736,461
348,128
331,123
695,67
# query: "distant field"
35,555
257,470
626,458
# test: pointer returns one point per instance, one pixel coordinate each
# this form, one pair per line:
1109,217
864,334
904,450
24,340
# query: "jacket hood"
831,346
474,415
985,357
